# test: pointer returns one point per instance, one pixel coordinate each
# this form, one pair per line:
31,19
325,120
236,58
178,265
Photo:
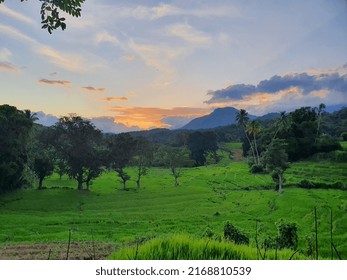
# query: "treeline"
300,134
74,146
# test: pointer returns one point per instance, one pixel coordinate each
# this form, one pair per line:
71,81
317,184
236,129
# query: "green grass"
183,247
206,198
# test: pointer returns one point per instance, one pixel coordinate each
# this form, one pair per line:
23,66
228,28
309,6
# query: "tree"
200,143
242,120
253,128
43,166
281,123
142,159
275,159
50,17
77,142
121,149
42,154
15,129
176,159
320,111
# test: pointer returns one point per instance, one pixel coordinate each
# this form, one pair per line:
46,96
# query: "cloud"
164,10
176,122
305,82
93,89
7,67
128,58
284,92
9,12
5,54
73,62
189,34
105,124
14,33
110,99
109,125
146,117
105,37
46,120
70,62
157,56
54,82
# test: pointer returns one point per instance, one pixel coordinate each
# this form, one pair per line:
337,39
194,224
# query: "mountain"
219,117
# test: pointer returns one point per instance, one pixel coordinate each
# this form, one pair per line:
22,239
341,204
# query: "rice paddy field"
106,221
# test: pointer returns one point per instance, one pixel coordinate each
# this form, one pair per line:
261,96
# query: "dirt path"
55,251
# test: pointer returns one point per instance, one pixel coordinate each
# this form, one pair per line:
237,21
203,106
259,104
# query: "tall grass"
184,247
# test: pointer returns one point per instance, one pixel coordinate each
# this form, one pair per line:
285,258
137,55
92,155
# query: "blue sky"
138,64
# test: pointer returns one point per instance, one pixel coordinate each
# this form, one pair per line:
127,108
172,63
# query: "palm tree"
320,111
282,122
242,120
253,128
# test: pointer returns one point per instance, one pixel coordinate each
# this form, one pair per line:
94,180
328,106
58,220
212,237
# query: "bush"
231,233
257,168
344,136
288,236
306,184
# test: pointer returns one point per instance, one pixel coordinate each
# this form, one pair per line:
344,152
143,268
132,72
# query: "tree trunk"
280,179
80,181
124,184
138,183
176,181
40,183
256,149
250,144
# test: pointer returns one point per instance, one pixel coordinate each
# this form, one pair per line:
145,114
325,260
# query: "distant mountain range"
222,117
227,116
219,117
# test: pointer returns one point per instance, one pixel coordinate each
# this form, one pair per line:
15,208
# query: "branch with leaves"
50,17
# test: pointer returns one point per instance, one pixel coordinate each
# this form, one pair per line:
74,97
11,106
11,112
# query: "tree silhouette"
242,120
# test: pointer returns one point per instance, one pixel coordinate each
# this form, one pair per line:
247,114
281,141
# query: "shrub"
231,233
288,236
306,184
257,168
344,136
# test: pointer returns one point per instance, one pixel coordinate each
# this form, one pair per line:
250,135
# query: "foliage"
121,149
287,236
257,168
344,136
231,233
275,159
142,159
77,142
175,159
15,128
183,247
50,17
306,184
200,143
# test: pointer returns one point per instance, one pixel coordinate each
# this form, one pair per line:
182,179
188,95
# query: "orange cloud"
93,89
7,67
53,82
128,58
147,118
109,99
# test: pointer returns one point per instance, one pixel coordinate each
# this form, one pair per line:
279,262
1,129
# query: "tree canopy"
50,12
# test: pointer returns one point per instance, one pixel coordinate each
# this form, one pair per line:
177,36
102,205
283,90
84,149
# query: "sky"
132,65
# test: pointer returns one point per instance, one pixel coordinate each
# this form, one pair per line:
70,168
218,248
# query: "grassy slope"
207,197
